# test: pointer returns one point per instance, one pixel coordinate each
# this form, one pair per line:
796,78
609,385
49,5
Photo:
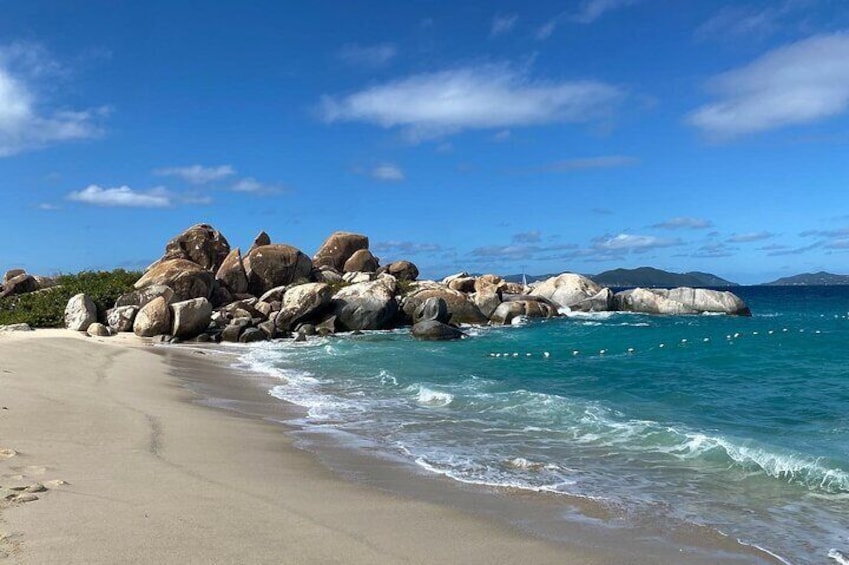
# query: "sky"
496,136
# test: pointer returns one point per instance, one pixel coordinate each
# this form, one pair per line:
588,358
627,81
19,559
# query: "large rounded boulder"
80,313
366,305
402,270
273,265
460,306
681,300
569,290
300,302
190,317
201,244
153,319
338,248
362,261
186,278
18,284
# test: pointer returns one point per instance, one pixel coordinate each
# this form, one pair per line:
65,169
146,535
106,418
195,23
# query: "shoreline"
133,436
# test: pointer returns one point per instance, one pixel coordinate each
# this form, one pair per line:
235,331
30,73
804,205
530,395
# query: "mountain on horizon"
644,277
651,277
821,278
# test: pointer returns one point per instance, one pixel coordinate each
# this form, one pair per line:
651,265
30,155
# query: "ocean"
737,424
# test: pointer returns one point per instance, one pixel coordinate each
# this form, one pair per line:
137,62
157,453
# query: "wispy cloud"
601,162
369,56
122,196
406,248
591,10
588,12
533,236
253,186
387,172
630,243
432,105
197,174
797,84
47,206
795,250
750,236
501,136
25,123
502,23
714,251
838,232
739,21
683,222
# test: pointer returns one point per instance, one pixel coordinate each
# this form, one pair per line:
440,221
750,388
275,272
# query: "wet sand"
139,469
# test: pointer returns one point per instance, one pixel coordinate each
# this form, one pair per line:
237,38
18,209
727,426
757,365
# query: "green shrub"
46,308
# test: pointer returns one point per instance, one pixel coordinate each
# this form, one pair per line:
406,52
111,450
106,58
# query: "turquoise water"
741,424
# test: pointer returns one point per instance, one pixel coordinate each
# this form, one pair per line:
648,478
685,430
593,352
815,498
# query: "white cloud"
683,222
197,174
432,105
370,56
602,162
387,172
47,206
749,237
633,243
25,122
545,30
503,23
123,196
800,83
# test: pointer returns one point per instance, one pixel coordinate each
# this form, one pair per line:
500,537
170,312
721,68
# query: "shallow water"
736,423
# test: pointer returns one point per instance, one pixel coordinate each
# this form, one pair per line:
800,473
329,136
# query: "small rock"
99,330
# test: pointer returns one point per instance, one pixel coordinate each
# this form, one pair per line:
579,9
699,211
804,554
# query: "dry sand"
150,476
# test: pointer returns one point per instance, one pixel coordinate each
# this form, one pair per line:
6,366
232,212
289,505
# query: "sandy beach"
137,471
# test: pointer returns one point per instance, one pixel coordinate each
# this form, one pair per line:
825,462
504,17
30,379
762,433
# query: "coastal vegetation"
45,308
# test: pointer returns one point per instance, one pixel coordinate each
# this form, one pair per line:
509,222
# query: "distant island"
646,277
811,279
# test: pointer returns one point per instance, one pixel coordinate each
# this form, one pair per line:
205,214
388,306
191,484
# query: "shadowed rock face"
201,244
232,273
275,265
18,284
338,248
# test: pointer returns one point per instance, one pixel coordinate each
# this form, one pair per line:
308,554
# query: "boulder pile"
201,289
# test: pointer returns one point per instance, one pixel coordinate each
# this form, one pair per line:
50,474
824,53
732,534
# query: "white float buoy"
817,332
707,339
630,350
770,332
575,352
546,354
736,335
684,340
527,354
515,355
602,352
662,345
754,333
784,329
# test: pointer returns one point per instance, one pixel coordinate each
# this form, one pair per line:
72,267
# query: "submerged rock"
435,331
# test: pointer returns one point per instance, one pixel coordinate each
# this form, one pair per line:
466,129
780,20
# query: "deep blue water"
741,424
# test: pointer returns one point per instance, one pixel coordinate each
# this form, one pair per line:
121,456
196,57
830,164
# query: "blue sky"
491,136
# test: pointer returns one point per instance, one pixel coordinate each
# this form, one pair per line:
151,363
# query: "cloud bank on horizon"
602,134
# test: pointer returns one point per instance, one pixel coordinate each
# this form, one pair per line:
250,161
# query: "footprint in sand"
7,453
